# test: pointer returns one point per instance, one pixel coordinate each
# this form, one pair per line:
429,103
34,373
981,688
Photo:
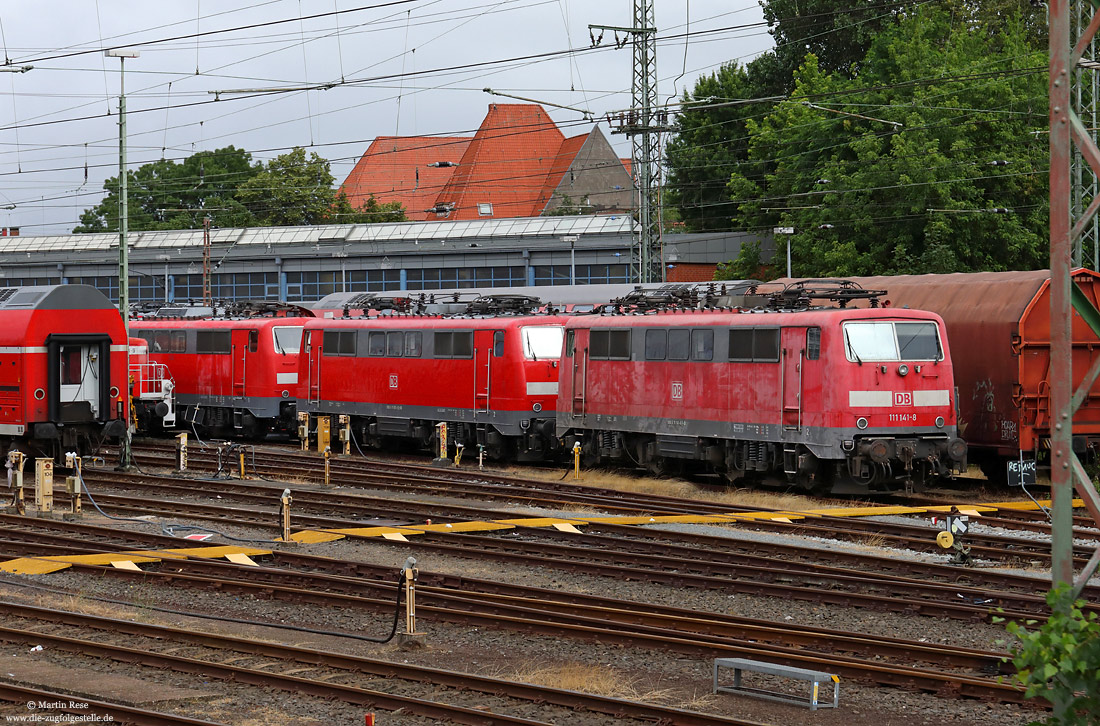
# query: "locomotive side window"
765,344
760,345
339,342
570,343
376,344
702,345
70,365
618,347
679,344
656,344
741,344
395,344
212,341
498,343
253,341
413,345
597,344
166,341
813,343
454,344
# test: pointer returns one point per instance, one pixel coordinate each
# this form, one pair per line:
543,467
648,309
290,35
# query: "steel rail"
93,707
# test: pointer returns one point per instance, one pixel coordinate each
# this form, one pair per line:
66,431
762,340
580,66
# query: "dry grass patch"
597,680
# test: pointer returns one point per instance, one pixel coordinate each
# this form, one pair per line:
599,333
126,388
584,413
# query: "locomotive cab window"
543,342
253,341
339,342
287,339
890,341
498,343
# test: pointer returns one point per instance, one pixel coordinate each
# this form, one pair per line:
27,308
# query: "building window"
485,209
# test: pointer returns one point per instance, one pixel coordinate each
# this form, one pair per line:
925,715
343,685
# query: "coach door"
792,355
243,342
488,346
314,351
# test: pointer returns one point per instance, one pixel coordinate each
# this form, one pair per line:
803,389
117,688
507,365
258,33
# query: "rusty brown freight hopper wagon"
998,324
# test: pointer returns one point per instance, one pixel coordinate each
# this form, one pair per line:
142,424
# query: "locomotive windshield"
888,341
287,339
542,342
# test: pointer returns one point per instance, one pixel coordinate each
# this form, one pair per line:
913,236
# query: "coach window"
498,343
376,344
253,341
656,344
413,345
212,341
813,343
702,345
679,344
395,344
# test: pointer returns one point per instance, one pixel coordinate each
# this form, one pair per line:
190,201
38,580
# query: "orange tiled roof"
395,169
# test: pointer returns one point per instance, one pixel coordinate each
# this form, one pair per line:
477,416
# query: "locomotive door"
578,352
314,352
241,343
488,344
792,355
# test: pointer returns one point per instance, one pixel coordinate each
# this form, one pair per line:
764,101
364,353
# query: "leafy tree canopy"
898,169
225,185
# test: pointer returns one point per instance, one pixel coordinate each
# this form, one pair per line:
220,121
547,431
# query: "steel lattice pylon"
1069,130
1086,94
643,123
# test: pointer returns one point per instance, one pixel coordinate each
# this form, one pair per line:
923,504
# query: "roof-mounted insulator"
799,295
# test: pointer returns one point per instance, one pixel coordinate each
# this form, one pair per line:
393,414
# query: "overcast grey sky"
62,116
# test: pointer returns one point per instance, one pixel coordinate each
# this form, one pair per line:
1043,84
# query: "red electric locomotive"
823,398
492,377
62,369
234,374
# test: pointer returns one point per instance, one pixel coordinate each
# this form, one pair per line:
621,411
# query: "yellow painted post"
72,484
240,459
345,432
328,466
181,452
576,460
458,453
480,457
43,486
324,433
18,460
303,430
410,600
284,513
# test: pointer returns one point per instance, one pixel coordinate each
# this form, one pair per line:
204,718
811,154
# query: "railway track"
274,665
627,624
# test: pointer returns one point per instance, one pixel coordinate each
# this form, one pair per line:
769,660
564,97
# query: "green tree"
896,171
711,140
293,189
1060,660
748,265
169,195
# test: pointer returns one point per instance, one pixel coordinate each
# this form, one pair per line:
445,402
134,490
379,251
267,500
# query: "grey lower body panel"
257,406
508,423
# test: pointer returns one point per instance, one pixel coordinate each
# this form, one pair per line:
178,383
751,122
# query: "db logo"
677,391
393,380
903,398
